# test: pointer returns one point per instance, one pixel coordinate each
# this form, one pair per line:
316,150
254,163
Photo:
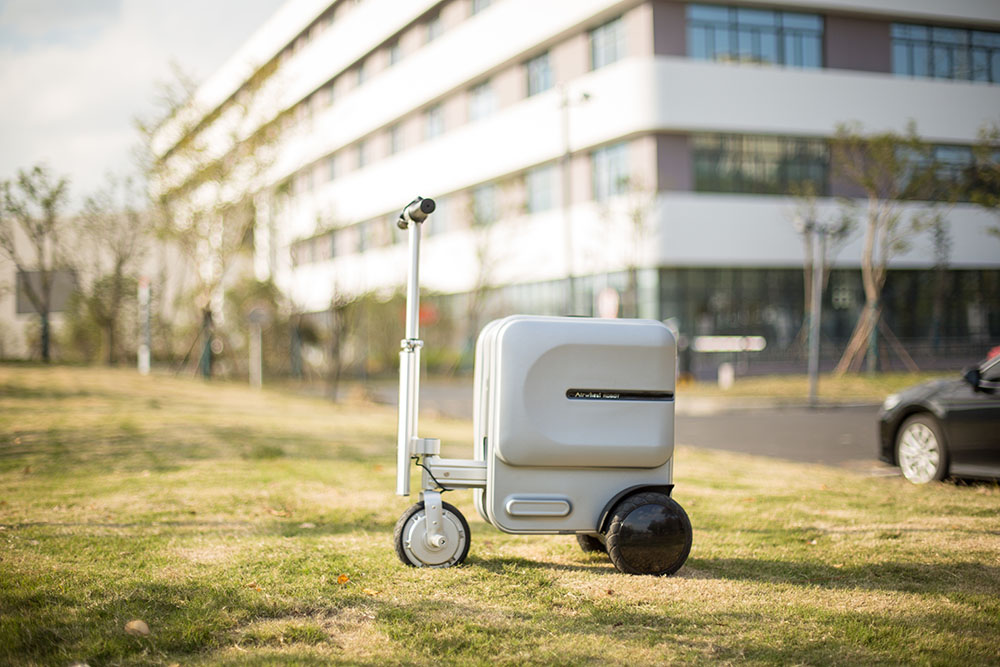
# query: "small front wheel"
649,533
415,550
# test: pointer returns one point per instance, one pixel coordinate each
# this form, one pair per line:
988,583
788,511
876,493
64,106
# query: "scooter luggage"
574,434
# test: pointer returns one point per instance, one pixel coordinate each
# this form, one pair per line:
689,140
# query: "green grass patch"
851,387
224,518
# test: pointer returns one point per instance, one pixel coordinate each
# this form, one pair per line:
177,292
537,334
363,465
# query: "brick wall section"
510,85
857,44
639,30
669,31
580,179
571,58
643,163
674,166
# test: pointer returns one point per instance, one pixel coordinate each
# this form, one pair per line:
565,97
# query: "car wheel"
920,450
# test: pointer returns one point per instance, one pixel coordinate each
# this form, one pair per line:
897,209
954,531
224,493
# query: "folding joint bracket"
434,536
410,344
425,446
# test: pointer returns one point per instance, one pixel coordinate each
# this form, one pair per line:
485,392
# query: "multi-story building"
573,144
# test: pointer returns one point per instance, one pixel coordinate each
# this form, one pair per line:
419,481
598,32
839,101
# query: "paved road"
843,436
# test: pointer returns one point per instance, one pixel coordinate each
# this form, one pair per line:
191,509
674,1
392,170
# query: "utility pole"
145,340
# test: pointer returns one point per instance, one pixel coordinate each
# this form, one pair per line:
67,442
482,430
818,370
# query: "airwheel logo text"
618,395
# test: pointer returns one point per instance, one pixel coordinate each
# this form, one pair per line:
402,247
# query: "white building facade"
571,143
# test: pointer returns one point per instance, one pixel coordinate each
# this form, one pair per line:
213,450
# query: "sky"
75,74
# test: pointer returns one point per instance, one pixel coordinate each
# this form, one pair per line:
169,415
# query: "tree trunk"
206,351
109,334
873,278
45,336
858,345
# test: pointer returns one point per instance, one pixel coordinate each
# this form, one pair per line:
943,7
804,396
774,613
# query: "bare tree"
983,182
490,253
888,168
808,221
31,208
113,232
205,184
343,319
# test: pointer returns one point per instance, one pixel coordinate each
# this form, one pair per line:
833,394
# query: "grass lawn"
256,527
851,387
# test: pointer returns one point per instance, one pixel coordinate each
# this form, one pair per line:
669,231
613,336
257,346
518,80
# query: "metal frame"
456,473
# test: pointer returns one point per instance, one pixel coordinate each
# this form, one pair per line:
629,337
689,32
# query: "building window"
942,173
433,122
434,28
479,5
362,72
539,184
395,139
482,101
485,209
329,94
363,157
395,53
607,43
362,236
609,170
760,165
945,53
331,240
539,74
735,34
331,167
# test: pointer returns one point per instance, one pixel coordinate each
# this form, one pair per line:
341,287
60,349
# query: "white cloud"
70,101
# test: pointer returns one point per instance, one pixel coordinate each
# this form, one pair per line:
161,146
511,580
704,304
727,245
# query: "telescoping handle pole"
409,355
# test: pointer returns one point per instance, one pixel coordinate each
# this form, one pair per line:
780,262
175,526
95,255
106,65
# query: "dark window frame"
742,27
760,164
938,52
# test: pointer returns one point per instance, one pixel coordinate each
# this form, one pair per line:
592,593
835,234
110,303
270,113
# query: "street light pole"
567,191
567,198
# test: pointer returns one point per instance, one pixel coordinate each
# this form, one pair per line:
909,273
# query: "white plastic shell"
568,413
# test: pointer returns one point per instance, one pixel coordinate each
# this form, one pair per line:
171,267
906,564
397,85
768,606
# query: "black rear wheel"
649,533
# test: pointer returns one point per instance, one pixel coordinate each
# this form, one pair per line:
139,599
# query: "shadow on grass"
337,524
10,390
126,445
963,576
509,564
185,618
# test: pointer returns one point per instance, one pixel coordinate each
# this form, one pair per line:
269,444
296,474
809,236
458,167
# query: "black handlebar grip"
420,209
416,211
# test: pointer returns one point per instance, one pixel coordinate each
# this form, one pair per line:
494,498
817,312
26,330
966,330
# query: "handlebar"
416,211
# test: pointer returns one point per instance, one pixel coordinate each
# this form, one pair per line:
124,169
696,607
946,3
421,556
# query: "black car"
945,427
